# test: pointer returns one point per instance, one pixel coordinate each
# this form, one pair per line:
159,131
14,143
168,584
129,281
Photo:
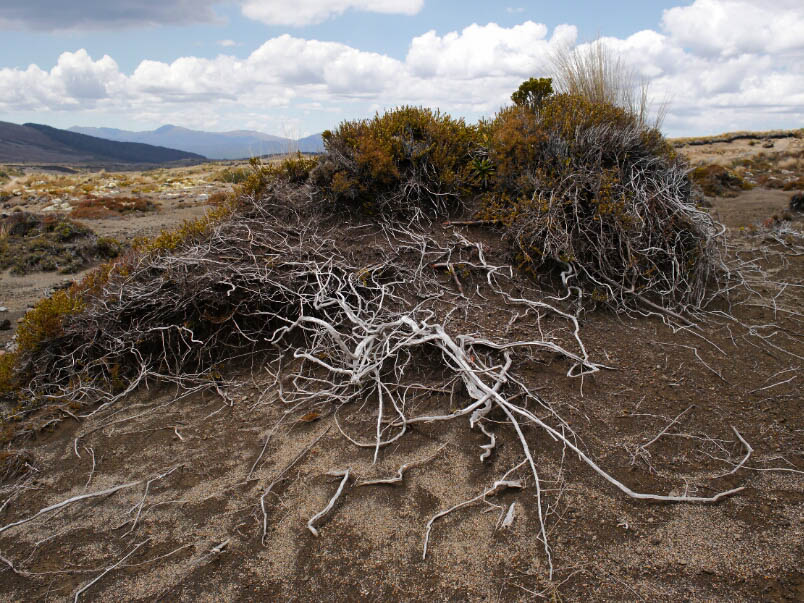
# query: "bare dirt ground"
203,498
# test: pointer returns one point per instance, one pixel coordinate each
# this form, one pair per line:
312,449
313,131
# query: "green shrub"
586,187
44,322
8,378
532,93
232,175
411,160
108,247
716,180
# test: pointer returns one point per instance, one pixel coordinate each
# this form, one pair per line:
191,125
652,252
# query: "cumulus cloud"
490,50
307,12
76,81
732,27
96,14
736,85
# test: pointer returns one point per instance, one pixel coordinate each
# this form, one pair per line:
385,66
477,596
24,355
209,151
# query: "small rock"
5,325
656,540
3,309
20,319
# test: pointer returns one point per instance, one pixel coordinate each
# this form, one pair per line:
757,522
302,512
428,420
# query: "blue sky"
297,67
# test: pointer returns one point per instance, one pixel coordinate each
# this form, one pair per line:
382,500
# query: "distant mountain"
237,144
32,143
311,144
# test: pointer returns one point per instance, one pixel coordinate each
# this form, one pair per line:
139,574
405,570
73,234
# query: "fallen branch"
748,451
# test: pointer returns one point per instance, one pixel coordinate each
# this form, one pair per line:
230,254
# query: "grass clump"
408,161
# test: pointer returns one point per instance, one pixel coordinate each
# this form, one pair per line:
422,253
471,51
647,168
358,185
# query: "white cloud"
732,27
227,43
75,82
307,12
472,72
490,50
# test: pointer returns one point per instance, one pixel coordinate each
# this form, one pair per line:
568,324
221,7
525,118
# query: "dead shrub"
15,464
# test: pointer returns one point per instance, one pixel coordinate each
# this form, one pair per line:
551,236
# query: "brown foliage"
103,207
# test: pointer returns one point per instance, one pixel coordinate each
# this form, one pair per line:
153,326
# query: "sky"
296,67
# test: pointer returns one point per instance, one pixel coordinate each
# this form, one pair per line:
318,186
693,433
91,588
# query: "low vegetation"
577,186
102,207
718,181
411,161
30,243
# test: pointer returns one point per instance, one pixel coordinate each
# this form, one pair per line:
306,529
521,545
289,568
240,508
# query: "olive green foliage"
232,175
294,170
411,160
716,180
586,184
8,378
532,93
44,322
31,243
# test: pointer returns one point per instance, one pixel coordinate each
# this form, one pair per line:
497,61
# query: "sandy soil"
191,527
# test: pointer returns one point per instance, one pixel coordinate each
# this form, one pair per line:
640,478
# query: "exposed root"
318,516
86,587
279,477
498,487
400,474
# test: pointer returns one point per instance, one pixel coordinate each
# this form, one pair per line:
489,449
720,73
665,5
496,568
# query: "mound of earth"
586,390
255,481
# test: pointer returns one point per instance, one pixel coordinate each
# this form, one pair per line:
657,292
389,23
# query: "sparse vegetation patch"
30,243
716,180
102,207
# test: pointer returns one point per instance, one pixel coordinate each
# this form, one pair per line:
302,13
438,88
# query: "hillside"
236,144
35,143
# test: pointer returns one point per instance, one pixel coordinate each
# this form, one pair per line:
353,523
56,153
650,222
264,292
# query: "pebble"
5,325
3,309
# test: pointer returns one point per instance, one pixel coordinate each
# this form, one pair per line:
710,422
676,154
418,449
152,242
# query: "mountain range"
236,144
31,143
